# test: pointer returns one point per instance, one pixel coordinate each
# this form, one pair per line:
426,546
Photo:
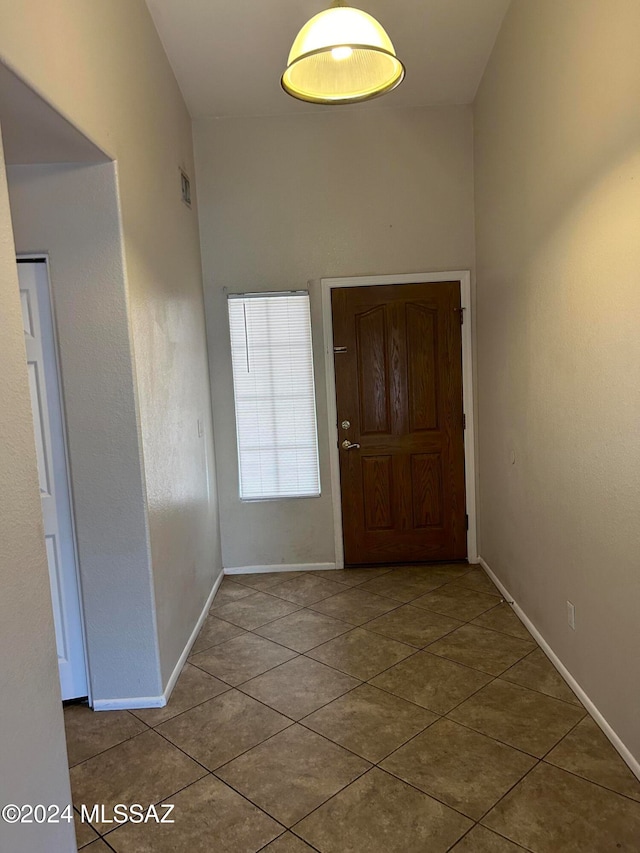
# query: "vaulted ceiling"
228,55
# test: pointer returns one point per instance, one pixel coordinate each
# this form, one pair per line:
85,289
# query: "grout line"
104,841
342,788
113,746
577,775
282,835
163,799
294,655
213,772
518,846
324,705
304,654
372,764
193,707
296,607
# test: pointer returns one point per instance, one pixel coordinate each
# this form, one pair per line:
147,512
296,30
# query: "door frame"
464,278
43,258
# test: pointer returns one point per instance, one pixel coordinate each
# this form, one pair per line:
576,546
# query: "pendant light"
341,56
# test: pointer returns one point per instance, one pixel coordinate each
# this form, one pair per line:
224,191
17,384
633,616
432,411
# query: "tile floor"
363,711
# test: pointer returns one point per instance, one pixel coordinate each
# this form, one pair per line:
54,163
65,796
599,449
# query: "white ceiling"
228,55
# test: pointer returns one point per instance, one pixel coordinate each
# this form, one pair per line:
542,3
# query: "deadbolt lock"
345,424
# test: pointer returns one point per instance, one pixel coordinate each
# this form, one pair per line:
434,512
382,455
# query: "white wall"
557,159
102,66
32,744
286,200
71,212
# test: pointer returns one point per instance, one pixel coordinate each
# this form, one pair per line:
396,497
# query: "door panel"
426,486
376,487
52,471
398,367
371,347
422,367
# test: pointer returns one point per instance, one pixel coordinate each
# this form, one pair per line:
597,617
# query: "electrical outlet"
571,615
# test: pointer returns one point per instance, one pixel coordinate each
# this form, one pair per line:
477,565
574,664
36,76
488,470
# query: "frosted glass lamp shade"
341,56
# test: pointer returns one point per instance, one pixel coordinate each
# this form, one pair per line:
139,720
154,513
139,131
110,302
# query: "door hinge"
461,316
464,421
466,521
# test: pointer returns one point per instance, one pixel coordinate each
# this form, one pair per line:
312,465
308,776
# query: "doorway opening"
400,404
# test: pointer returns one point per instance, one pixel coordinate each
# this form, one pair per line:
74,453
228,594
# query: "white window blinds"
274,394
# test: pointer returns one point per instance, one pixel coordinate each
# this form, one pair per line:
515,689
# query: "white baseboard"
161,701
625,753
280,567
129,704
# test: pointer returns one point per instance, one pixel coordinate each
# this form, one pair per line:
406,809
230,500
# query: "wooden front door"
398,365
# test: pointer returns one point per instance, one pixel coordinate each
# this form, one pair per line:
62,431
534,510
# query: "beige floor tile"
446,571
214,631
264,580
456,601
223,728
519,717
303,630
482,649
503,619
413,625
355,606
353,577
229,591
431,681
292,773
288,843
209,817
122,774
255,610
403,585
481,840
538,673
306,589
479,580
587,752
370,722
242,658
90,732
299,687
552,811
462,768
192,687
98,846
380,814
361,653
85,833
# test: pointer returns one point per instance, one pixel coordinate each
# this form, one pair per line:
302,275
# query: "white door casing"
53,475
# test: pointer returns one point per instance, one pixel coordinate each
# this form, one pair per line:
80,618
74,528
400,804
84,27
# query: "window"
274,393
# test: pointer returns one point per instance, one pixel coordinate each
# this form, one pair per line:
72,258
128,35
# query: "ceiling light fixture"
341,56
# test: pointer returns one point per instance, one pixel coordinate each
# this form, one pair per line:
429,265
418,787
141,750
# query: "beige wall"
32,744
557,160
102,65
288,200
71,212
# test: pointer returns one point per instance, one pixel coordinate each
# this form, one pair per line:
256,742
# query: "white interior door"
52,470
